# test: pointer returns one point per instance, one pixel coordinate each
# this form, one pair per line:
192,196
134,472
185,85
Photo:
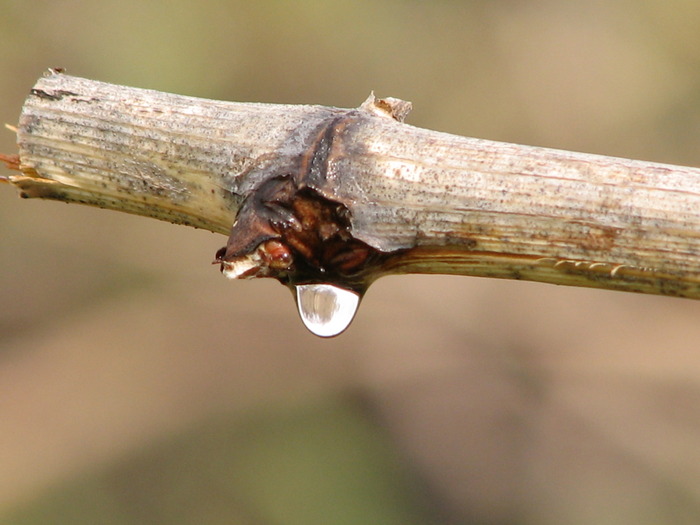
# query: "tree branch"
323,194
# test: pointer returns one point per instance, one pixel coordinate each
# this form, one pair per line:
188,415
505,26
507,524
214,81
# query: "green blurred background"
138,386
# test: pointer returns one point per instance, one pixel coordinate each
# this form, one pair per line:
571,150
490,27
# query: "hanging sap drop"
326,309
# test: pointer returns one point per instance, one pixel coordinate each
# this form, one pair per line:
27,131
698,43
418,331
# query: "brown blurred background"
138,386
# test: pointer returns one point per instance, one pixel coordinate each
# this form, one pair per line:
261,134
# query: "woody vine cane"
327,200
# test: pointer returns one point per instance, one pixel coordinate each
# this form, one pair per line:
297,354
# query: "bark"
320,194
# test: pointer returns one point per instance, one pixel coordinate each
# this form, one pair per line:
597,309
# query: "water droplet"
326,309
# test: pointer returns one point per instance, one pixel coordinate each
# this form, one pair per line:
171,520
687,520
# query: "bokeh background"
138,386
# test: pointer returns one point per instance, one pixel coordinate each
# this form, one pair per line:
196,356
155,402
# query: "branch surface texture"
311,194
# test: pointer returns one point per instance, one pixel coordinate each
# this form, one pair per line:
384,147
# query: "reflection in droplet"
326,309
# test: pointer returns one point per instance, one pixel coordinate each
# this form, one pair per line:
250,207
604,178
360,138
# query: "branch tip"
11,161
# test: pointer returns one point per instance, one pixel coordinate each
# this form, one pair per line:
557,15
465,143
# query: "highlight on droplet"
325,309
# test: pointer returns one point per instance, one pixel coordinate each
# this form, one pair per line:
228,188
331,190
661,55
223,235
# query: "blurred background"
137,385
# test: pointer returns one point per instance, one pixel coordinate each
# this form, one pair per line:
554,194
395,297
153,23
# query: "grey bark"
433,202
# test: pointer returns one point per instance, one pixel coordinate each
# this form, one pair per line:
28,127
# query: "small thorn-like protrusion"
326,310
387,107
